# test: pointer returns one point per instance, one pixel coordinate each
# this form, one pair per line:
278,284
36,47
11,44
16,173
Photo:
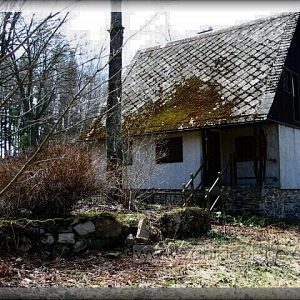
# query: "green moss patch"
187,222
96,131
192,103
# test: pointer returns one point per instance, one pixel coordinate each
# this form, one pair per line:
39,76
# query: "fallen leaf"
4,269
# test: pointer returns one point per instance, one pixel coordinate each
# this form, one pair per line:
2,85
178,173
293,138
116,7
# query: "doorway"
213,155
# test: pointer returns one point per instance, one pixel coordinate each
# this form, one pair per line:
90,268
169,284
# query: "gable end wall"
282,109
289,152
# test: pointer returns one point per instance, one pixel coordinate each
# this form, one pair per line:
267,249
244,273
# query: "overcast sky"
156,22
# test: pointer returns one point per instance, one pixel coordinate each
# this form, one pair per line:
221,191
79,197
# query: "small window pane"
169,150
286,81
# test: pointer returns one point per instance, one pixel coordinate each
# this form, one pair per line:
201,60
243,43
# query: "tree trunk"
34,135
113,116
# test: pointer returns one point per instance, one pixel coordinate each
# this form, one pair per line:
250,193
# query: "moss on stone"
186,222
76,218
92,214
130,218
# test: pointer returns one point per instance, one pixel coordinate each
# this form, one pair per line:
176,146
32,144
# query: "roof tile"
240,64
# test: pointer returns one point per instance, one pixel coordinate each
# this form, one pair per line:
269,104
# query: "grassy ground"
231,256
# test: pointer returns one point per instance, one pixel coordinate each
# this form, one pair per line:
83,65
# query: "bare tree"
40,84
39,75
45,91
30,76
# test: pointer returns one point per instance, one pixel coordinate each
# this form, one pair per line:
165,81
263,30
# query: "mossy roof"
224,77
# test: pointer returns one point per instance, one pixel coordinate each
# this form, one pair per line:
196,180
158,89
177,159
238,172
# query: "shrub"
60,176
188,222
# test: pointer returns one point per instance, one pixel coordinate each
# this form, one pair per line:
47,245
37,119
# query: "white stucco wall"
289,151
98,152
145,173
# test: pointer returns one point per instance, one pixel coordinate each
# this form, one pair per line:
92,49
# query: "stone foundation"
163,197
271,202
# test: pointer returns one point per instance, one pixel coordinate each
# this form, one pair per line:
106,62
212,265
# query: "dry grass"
242,257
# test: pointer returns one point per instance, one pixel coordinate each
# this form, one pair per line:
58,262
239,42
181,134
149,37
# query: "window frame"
169,150
296,96
287,81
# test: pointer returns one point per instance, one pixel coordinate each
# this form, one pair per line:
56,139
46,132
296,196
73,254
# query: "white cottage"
228,101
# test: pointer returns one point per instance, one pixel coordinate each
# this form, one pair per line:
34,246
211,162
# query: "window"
169,150
245,148
296,98
286,81
291,85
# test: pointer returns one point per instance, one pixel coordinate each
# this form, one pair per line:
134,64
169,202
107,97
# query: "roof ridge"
220,31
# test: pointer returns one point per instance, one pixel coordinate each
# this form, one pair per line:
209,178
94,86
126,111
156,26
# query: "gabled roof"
224,77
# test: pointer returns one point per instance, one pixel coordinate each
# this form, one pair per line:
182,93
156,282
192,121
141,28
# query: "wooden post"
192,187
220,180
234,170
207,196
263,152
231,170
183,193
220,187
222,200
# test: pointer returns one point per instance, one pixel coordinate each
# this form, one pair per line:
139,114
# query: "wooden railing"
189,195
222,188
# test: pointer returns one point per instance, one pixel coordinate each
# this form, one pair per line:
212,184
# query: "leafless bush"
61,175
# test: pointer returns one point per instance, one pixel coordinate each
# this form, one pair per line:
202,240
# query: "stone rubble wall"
63,236
163,197
271,202
102,231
